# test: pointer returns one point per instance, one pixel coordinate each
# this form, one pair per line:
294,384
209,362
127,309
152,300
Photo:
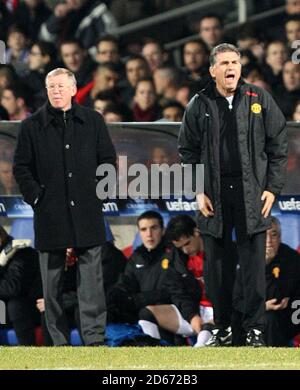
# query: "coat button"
72,203
67,146
70,174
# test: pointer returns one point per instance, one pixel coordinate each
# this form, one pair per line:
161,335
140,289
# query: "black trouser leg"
20,313
252,263
219,272
52,266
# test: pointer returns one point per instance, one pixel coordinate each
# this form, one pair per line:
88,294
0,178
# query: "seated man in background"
19,271
193,311
282,289
143,281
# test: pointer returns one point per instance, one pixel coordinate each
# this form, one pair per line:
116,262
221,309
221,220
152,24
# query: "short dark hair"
108,38
151,215
72,41
222,48
108,65
199,42
119,109
135,57
180,226
46,48
18,91
106,96
173,103
212,16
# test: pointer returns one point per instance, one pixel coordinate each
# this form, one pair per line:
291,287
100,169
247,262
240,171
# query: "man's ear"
74,90
212,71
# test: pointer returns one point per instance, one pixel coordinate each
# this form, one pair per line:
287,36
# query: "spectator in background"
76,59
14,99
184,93
17,48
8,76
105,78
145,108
282,288
166,80
251,73
211,30
144,278
172,111
292,31
117,112
85,20
195,59
276,55
42,59
159,155
102,100
136,68
108,50
292,7
8,185
31,14
19,269
288,94
249,39
154,54
183,233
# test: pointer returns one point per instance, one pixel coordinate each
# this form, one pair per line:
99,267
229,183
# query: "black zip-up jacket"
19,276
262,145
283,274
144,278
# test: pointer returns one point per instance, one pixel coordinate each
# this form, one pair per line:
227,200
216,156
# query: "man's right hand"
205,205
272,304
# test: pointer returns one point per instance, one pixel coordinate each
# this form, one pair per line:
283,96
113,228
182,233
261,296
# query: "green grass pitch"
149,358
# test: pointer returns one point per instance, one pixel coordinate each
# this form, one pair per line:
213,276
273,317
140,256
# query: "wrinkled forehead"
63,79
227,56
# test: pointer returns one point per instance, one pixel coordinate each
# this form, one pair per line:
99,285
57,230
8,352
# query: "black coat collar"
48,113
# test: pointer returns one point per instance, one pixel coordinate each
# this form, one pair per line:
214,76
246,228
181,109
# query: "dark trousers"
91,298
24,317
222,258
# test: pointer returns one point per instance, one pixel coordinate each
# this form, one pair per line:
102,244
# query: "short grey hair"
275,221
222,48
58,71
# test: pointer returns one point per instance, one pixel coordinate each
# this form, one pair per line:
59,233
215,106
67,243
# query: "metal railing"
166,16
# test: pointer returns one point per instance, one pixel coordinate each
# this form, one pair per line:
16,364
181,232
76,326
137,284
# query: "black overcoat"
55,162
